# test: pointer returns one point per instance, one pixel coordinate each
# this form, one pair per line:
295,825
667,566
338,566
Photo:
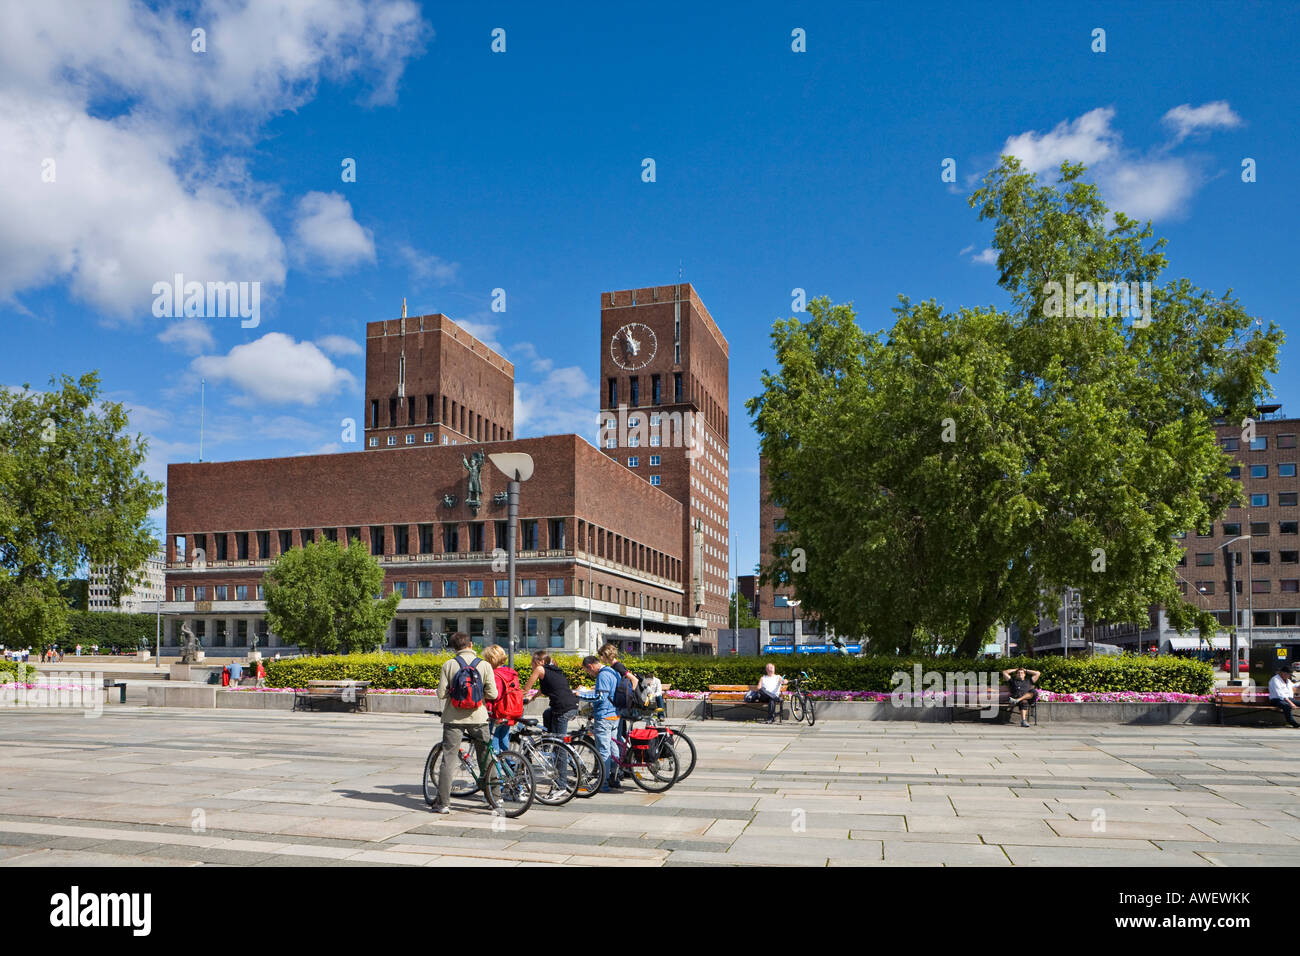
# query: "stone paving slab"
277,788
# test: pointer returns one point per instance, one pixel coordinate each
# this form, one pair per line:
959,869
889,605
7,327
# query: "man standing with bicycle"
465,684
604,716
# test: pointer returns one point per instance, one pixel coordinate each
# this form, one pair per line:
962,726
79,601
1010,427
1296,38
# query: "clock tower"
664,416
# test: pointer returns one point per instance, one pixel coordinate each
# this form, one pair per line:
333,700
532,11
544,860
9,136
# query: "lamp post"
524,609
517,467
794,637
157,638
1234,678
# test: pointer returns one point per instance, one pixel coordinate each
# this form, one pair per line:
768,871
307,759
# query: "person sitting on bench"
1022,691
1281,693
769,689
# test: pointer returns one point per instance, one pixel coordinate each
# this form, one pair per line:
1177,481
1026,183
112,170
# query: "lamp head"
515,465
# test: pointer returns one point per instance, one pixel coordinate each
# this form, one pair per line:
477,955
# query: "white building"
145,591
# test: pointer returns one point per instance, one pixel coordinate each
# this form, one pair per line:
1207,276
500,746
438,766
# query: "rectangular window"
410,439
450,626
377,540
780,524
634,461
633,441
263,544
221,547
1261,587
1259,471
374,414
428,438
1286,470
354,534
476,536
613,393
677,386
451,589
1259,444
1230,444
1261,557
424,589
1289,586
178,593
1287,527
501,588
636,392
475,588
401,539
373,442
221,592
1259,529
200,592
241,633
1259,500
308,535
401,636
261,593
1286,499
1205,587
451,538
476,629
426,539
557,631
392,415
528,588
654,461
241,545
1234,472
654,479
555,586
241,592
1231,529
528,535
556,528
1205,559
503,534
1288,557
530,632
1286,441
401,587
392,440
656,392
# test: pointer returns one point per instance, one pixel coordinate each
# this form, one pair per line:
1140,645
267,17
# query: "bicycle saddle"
529,721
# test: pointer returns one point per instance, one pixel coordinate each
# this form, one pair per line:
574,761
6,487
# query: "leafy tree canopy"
944,474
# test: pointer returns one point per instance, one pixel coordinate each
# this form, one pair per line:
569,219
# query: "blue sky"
522,170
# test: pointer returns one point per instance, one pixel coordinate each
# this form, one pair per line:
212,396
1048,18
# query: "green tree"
322,597
948,473
71,494
746,616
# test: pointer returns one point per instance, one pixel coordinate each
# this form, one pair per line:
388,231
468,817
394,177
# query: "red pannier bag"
644,745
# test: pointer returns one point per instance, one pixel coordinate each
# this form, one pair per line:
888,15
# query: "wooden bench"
981,703
1244,700
332,695
735,694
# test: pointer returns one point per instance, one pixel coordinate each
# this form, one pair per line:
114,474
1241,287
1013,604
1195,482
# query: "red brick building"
604,548
778,622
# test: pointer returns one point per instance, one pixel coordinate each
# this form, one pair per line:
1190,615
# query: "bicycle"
556,768
676,738
801,705
507,785
652,765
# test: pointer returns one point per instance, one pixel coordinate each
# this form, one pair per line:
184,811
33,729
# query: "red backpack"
465,690
509,705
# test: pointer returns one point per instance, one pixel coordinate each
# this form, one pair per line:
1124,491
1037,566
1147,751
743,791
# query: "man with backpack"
604,715
464,687
505,711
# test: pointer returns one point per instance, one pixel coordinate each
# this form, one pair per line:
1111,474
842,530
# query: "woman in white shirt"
769,689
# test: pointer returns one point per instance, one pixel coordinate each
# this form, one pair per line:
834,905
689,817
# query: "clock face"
633,346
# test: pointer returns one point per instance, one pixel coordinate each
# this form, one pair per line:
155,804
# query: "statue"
474,465
189,645
449,501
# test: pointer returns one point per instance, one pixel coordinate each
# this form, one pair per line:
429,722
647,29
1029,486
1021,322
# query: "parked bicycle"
646,756
557,770
682,745
508,783
801,705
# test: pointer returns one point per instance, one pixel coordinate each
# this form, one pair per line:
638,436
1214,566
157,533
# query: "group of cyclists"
483,702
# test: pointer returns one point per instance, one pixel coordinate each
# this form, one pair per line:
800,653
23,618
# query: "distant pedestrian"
1281,694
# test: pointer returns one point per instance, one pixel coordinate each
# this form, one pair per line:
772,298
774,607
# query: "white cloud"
277,370
563,402
325,233
1187,119
966,250
191,336
1088,139
988,257
340,345
1152,186
145,133
426,268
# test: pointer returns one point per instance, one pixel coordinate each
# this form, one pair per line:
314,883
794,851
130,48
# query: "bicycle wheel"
684,747
510,787
590,765
556,772
810,709
659,774
796,705
463,781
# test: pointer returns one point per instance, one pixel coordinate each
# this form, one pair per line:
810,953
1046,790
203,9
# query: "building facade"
779,622
601,549
146,588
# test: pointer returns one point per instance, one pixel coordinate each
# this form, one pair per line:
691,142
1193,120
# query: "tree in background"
945,474
71,494
746,615
323,598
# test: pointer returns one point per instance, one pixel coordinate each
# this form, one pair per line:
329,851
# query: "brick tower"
664,394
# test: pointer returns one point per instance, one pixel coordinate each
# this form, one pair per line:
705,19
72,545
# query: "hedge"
109,629
16,672
692,673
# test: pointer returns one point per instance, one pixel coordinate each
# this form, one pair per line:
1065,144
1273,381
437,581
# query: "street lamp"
794,637
517,467
524,609
1234,678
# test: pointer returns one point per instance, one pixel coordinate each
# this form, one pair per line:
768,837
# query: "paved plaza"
157,787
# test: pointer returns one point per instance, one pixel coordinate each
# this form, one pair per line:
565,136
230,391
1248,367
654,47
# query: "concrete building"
779,623
145,588
608,545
